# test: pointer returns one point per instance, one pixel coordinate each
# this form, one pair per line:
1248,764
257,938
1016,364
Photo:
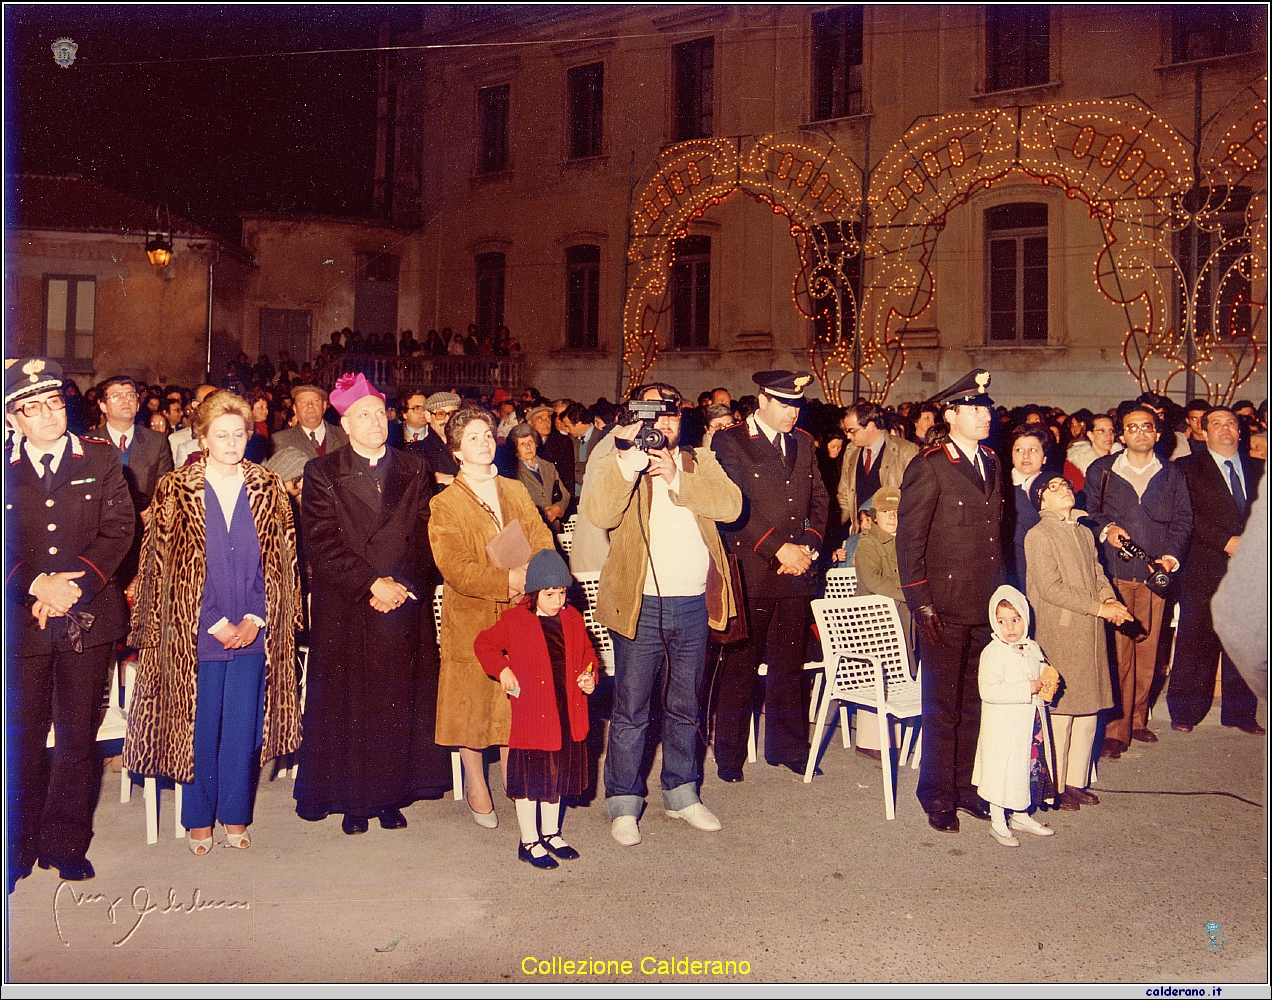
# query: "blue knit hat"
547,569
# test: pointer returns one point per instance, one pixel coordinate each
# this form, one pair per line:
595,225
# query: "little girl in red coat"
541,654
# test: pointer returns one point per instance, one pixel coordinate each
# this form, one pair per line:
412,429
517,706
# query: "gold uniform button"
53,551
88,496
52,527
48,502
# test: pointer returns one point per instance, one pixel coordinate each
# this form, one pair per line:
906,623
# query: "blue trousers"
229,719
638,666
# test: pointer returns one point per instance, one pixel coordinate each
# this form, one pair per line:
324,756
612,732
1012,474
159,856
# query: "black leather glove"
929,623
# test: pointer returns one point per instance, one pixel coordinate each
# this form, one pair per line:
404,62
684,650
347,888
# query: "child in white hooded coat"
1013,753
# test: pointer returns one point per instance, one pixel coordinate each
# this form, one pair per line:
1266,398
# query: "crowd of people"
1033,557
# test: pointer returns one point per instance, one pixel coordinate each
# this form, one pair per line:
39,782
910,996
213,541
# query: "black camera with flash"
1158,579
647,412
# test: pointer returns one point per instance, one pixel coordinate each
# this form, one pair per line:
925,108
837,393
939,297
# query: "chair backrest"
864,627
437,613
841,582
570,522
566,540
589,583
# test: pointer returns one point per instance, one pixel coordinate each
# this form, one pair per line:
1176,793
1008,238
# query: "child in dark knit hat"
541,654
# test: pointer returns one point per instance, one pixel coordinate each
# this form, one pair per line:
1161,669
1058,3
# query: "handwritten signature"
140,903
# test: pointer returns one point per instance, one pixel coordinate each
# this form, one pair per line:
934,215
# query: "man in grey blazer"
311,434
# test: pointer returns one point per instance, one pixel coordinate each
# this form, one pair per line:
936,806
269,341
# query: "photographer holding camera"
1133,495
664,585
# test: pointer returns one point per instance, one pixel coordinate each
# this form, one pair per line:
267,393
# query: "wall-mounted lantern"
159,239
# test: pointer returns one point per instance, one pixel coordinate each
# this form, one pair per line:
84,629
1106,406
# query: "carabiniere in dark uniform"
75,516
950,563
783,501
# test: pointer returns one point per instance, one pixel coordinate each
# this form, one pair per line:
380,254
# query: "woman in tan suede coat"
472,709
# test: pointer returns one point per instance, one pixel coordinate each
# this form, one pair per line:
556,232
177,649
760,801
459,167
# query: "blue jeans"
638,665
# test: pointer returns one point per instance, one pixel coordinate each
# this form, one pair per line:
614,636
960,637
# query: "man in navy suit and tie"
1222,485
145,454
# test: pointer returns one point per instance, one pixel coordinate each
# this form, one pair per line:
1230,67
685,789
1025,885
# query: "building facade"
550,185
79,286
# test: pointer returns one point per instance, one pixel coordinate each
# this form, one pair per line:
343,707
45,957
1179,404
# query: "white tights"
528,821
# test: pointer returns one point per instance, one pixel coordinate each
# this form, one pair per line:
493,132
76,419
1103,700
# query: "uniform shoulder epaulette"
988,450
800,430
933,450
93,440
730,427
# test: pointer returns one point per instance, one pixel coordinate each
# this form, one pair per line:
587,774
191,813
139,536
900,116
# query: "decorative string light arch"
1132,170
803,176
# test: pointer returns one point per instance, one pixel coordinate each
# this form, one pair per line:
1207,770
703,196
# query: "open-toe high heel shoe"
239,841
201,847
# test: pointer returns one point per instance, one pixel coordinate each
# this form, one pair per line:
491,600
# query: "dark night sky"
280,133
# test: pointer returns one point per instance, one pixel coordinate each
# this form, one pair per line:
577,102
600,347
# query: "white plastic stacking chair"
840,582
457,769
601,640
867,664
566,541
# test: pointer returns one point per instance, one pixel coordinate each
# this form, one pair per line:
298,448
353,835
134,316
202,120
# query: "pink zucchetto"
351,388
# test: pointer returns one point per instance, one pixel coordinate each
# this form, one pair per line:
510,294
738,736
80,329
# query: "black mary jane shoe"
353,825
565,852
71,871
392,819
545,862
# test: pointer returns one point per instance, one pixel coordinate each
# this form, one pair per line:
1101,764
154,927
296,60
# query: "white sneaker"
625,831
1003,836
1024,823
697,816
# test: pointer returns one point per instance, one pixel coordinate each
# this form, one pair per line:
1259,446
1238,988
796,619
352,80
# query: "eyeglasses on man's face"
121,397
32,409
1056,485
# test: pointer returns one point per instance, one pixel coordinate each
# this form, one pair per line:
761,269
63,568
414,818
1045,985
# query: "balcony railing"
429,373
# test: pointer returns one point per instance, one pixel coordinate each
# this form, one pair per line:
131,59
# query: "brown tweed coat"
165,622
472,709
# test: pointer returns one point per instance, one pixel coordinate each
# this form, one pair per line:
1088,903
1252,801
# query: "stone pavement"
805,883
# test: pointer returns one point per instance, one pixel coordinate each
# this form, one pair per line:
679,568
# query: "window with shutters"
582,296
1016,251
837,56
70,307
492,113
587,92
490,292
691,293
1018,45
846,277
1224,245
1205,32
694,88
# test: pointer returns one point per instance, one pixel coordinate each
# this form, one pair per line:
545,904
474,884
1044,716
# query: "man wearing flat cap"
950,561
311,434
776,542
429,442
68,525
